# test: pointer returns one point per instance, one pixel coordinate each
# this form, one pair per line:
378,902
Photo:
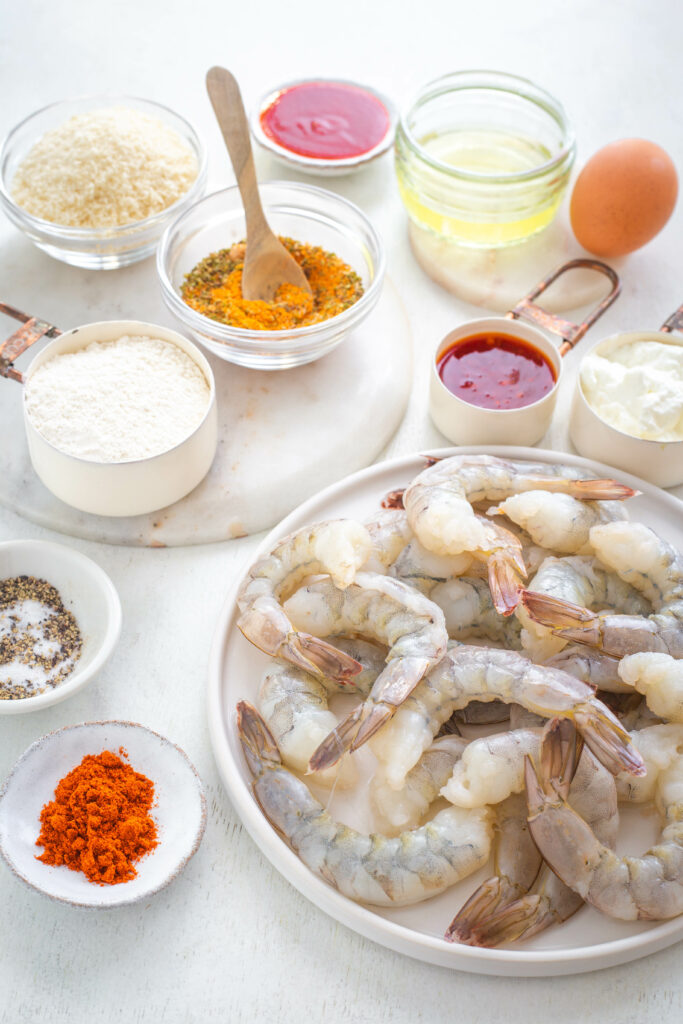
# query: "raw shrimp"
505,908
383,609
491,768
500,551
628,888
370,868
659,677
424,569
389,532
660,746
338,548
469,673
647,563
405,808
558,521
593,667
469,612
579,580
294,705
516,862
439,500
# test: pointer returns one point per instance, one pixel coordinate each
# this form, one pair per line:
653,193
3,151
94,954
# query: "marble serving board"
498,278
282,436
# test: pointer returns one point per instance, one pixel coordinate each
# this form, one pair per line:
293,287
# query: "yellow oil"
480,213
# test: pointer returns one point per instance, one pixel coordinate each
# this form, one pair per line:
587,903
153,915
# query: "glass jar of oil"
483,159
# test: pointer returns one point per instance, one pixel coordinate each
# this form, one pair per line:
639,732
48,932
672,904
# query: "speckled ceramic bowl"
179,810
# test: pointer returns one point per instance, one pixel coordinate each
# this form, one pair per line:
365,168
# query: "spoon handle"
226,100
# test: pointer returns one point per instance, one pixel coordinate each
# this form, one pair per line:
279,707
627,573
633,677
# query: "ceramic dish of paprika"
90,857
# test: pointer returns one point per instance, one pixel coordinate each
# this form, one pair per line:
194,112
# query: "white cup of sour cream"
610,408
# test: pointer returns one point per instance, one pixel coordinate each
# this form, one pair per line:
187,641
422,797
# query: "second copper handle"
526,309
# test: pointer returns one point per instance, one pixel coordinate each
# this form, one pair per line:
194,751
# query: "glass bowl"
303,212
94,248
483,158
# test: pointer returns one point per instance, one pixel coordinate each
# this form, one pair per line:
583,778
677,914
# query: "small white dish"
179,810
86,591
322,166
659,462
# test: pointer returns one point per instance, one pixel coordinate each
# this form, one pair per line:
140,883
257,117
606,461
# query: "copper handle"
570,332
674,322
31,331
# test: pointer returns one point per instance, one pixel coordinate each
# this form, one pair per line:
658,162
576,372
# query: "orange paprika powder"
99,821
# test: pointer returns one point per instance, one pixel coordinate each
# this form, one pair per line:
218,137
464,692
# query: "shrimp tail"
336,743
608,740
393,499
470,923
398,680
260,749
519,919
506,569
561,746
556,613
326,660
307,652
601,490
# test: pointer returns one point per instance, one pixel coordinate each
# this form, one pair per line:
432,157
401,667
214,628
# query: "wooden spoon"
267,264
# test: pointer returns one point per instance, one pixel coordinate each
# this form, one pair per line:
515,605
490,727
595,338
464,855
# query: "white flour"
118,400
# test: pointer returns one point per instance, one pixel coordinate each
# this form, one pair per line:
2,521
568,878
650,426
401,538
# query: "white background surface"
230,940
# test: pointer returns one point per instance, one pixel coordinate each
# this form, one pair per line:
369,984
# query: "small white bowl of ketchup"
495,380
324,126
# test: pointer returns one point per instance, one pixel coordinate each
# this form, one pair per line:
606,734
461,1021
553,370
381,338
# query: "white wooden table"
230,940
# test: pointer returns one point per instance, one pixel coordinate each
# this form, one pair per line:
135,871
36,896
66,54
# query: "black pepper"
40,641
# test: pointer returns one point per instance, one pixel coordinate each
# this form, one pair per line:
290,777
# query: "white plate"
585,943
179,810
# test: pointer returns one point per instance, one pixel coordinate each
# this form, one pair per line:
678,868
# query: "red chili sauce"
496,371
326,120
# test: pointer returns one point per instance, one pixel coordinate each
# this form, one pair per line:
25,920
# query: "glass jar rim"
496,81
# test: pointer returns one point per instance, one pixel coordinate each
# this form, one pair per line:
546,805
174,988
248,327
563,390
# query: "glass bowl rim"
220,332
506,81
71,233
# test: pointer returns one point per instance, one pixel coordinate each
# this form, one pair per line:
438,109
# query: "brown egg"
623,197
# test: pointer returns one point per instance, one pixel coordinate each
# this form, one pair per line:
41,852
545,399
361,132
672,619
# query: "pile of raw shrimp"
487,591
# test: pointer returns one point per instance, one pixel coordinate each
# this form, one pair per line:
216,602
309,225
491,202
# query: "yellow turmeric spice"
214,288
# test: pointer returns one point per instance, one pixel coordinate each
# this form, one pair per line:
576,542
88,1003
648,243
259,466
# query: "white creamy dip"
638,388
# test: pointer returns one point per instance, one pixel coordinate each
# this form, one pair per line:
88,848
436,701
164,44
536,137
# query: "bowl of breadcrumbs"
95,181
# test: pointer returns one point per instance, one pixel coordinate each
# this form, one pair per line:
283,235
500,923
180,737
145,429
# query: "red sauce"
496,371
326,120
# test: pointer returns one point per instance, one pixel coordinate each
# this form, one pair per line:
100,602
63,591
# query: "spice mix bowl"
176,806
304,213
175,176
88,596
104,485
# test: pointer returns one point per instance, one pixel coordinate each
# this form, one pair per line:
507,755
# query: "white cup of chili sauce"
495,380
